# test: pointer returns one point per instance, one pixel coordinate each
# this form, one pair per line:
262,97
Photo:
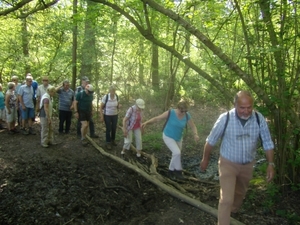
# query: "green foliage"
153,141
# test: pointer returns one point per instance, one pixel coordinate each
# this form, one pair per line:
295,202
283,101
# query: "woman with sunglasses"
176,121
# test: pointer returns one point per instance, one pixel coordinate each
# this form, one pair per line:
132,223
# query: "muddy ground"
71,184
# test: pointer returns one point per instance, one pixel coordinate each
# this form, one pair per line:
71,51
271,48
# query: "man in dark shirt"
84,81
83,106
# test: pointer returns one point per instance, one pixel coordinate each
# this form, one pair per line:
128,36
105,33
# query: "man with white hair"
41,90
27,106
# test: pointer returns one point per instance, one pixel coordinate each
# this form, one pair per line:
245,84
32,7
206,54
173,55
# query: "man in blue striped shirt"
66,97
237,152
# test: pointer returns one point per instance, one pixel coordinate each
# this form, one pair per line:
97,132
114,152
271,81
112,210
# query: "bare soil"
71,184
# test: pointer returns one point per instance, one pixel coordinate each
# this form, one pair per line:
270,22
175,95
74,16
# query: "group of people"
239,129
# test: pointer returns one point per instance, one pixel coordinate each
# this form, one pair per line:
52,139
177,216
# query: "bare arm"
21,101
101,112
194,129
7,97
270,168
124,126
206,156
46,108
75,104
156,119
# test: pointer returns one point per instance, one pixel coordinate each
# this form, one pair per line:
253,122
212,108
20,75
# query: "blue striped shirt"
65,99
239,142
26,92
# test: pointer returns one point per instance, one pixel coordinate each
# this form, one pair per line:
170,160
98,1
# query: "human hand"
270,173
196,138
143,125
203,165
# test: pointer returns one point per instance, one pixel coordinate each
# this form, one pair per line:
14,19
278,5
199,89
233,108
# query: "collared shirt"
111,106
66,98
26,92
132,115
42,90
239,142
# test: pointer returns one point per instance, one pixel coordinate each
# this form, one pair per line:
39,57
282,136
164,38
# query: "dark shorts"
84,116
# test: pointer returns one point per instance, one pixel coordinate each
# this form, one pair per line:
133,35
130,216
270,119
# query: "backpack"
227,119
169,112
106,99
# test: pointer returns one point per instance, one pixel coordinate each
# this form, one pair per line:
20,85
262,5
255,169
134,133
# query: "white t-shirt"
111,107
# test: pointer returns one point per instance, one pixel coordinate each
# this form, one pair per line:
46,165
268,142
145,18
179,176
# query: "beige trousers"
47,135
234,182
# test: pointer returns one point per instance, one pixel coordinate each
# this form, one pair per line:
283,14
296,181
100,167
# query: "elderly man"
84,81
240,130
66,98
46,107
41,90
27,107
83,106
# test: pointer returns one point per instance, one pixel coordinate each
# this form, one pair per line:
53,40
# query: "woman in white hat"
132,124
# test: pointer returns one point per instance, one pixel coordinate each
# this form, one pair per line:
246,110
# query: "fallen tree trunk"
157,181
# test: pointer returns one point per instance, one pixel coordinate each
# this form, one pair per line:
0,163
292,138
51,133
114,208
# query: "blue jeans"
111,123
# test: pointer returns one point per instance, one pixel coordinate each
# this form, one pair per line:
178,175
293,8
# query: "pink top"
137,121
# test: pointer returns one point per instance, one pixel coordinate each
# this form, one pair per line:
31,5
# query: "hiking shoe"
171,175
138,155
45,146
179,175
24,131
31,131
122,152
84,142
15,131
11,132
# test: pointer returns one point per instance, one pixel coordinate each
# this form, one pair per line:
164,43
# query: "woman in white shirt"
109,115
